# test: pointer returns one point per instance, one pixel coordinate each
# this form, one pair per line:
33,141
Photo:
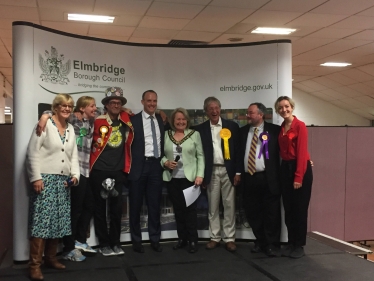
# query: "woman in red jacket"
296,176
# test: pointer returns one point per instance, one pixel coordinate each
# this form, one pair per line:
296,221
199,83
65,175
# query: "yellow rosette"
103,131
225,135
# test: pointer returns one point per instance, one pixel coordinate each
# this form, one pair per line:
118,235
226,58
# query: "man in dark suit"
260,179
223,165
145,175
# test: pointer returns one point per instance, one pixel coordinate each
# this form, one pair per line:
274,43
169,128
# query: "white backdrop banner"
47,62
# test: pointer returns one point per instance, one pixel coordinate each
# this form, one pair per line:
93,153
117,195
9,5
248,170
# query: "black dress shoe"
181,244
156,247
193,247
272,251
256,249
138,248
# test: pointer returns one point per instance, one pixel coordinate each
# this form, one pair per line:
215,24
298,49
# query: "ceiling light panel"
336,64
90,18
273,30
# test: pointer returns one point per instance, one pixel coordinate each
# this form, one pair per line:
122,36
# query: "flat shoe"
297,253
286,251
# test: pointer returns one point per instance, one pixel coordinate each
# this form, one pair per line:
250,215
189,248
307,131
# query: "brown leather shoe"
212,244
230,246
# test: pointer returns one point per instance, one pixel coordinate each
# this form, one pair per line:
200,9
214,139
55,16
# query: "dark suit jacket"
272,165
138,145
234,165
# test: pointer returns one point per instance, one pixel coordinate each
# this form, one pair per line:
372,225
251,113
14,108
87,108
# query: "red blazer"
97,148
294,146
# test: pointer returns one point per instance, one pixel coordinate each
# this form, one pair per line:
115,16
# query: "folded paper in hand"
191,194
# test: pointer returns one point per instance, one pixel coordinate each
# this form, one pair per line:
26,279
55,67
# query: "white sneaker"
84,247
74,255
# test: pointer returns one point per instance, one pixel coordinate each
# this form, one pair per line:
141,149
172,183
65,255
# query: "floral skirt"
49,211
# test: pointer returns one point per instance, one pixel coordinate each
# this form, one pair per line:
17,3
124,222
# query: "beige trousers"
220,185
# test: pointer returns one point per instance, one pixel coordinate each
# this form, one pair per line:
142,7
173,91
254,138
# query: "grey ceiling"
327,30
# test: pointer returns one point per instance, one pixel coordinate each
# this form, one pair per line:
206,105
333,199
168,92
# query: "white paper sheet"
191,194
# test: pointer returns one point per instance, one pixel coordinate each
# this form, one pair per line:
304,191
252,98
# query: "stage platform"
322,262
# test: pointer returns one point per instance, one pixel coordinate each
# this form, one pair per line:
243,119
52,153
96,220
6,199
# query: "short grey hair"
209,100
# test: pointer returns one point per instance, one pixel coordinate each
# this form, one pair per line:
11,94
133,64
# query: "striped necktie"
252,154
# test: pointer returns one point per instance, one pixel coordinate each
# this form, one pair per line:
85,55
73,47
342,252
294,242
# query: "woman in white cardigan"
52,166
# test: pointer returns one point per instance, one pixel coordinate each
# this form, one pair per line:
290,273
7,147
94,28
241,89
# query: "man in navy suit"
223,164
145,174
261,182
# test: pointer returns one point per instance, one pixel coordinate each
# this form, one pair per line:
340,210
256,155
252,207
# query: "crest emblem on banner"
54,69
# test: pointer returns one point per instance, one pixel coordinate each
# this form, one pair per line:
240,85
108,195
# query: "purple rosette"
264,137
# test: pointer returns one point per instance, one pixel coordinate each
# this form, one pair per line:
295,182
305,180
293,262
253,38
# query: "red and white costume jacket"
101,136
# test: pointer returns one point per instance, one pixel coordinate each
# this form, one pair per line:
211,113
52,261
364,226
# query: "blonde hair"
83,102
61,99
291,101
185,114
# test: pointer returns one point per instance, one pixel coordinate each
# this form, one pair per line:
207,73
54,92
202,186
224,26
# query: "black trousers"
185,217
263,209
149,185
82,207
296,202
107,236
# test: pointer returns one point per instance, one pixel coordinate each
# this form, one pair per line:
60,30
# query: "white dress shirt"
148,139
217,149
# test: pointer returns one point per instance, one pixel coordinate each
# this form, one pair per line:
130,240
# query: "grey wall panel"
328,152
359,216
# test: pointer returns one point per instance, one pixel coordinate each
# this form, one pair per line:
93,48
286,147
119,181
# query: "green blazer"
192,156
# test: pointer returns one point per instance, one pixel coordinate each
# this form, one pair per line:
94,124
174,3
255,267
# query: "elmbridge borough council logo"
54,70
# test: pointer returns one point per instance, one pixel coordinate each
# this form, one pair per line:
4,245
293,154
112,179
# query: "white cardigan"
48,155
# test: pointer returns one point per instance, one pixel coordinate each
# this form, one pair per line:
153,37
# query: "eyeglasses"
111,103
65,106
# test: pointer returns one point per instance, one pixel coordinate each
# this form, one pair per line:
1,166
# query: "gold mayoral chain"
178,143
225,135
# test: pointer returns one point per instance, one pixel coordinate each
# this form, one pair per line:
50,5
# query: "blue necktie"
155,146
